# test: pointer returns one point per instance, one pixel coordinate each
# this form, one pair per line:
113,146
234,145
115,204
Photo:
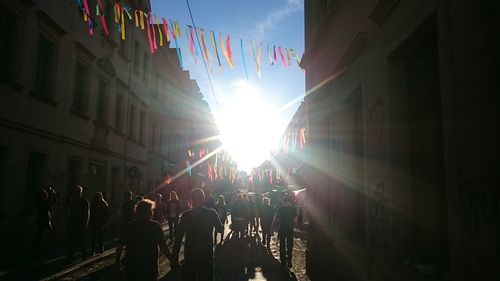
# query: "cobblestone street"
235,260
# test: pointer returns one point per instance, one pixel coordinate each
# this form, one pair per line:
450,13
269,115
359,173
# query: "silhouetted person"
99,216
141,238
251,215
209,200
198,224
285,216
221,209
128,207
43,221
78,221
173,212
159,211
247,214
239,214
266,221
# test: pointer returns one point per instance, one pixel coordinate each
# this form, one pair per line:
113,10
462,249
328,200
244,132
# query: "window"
82,82
142,120
153,138
101,101
8,28
74,175
45,69
161,141
124,44
34,180
145,68
118,112
109,16
137,52
131,122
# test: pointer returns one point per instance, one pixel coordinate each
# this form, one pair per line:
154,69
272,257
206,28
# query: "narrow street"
235,260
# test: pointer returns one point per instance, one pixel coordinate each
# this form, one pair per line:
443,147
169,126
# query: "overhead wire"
201,51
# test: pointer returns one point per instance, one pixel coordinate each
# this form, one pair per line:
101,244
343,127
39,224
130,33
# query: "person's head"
173,196
221,200
144,208
239,197
43,194
197,197
98,196
245,196
266,201
127,195
138,198
77,193
158,198
250,198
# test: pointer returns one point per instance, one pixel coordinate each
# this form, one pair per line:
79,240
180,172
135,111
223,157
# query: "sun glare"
248,125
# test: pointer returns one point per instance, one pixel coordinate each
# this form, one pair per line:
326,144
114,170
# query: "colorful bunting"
243,58
174,30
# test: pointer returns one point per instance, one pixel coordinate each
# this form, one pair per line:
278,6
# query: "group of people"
247,214
80,214
142,238
142,233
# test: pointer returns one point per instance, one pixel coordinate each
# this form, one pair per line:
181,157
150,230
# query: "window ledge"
101,124
80,114
118,132
44,99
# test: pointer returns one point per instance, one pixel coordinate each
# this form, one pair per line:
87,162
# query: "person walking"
239,214
99,216
221,209
79,211
128,207
251,215
197,225
159,210
285,217
266,221
173,212
141,239
43,221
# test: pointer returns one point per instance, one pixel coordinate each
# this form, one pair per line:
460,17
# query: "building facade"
86,110
402,108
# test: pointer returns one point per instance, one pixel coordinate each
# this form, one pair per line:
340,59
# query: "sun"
248,125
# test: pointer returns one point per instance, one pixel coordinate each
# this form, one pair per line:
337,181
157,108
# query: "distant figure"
285,216
239,214
221,209
159,210
99,216
141,238
209,200
173,212
258,206
138,198
128,207
43,221
78,221
266,221
247,214
251,215
198,224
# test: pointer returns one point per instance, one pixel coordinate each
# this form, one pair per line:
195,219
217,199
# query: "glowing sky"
249,113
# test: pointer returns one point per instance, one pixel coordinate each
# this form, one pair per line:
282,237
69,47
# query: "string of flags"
293,141
219,167
163,32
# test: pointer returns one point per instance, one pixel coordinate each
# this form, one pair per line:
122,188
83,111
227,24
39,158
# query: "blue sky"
273,22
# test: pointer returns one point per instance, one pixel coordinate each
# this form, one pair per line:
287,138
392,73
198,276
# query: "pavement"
234,260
